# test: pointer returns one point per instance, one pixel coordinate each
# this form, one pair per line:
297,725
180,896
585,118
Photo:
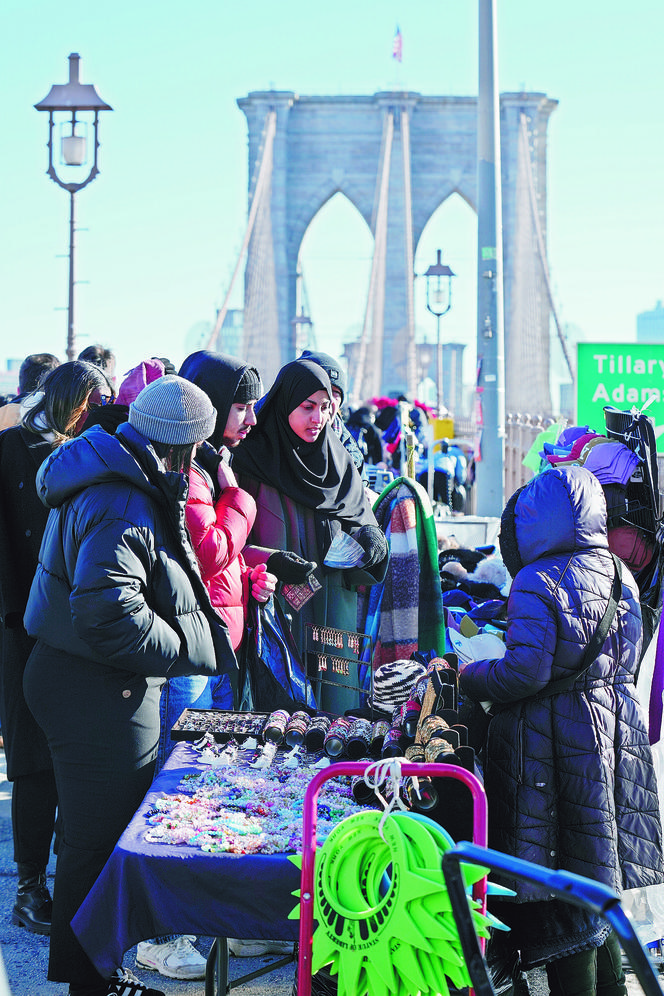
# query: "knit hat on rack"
173,410
392,684
249,387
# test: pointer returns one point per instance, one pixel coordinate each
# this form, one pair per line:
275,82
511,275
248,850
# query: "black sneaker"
125,983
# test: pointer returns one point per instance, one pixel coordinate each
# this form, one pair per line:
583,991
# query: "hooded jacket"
117,583
218,375
569,777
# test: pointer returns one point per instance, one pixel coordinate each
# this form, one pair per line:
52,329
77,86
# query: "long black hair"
64,394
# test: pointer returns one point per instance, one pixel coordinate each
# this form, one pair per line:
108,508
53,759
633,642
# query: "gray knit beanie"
173,410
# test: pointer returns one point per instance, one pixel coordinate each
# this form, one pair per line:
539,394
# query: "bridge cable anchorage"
368,371
260,181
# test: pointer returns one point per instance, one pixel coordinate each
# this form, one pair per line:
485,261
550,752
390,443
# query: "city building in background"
650,325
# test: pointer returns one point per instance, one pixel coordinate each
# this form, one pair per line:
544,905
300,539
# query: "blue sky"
162,224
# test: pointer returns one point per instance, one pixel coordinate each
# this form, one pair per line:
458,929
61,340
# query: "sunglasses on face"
103,399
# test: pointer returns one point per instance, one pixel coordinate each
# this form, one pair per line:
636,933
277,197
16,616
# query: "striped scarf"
405,613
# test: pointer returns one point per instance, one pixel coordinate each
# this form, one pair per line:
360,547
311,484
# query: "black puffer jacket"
118,583
569,777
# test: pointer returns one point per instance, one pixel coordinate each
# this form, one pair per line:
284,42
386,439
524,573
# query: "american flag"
397,45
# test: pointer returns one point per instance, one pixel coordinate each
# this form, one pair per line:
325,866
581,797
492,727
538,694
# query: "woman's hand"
263,584
226,477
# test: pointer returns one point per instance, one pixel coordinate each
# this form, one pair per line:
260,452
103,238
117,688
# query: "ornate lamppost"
81,104
439,301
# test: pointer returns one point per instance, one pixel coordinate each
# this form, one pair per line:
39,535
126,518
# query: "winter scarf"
406,612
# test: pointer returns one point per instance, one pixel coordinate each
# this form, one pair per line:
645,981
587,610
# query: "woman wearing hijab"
308,492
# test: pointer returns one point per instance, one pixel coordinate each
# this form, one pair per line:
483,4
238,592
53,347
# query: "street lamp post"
439,301
79,101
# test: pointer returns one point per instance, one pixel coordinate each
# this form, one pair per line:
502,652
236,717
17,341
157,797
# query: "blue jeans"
193,691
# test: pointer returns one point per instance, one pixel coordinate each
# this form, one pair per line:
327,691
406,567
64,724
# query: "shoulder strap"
597,639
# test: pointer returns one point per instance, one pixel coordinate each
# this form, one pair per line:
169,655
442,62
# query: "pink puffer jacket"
218,534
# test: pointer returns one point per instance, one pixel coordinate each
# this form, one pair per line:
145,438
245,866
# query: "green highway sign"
625,375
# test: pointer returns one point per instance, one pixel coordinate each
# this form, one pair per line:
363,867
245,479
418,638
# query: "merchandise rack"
310,817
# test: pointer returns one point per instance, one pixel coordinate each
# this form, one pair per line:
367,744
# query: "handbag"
477,716
274,677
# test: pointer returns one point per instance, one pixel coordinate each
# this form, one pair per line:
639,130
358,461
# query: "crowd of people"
139,522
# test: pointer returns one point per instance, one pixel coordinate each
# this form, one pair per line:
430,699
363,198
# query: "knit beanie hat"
173,410
249,387
392,683
331,367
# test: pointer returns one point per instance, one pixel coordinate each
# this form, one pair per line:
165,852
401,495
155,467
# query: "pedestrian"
308,491
219,517
102,357
337,376
117,606
361,425
33,368
67,392
568,768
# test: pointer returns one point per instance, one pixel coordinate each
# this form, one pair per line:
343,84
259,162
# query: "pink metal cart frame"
310,820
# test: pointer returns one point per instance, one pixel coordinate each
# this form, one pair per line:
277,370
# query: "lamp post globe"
75,108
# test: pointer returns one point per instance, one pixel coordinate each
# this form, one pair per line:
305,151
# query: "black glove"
373,542
290,568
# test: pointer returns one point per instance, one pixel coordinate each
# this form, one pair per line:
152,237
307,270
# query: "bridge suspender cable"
411,357
367,382
264,171
523,125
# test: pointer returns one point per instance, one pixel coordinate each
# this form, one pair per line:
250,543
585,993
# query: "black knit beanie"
331,367
249,387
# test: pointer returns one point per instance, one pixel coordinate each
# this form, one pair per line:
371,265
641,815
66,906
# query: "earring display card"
336,657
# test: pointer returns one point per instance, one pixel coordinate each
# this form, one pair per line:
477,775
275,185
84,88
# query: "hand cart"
310,816
574,889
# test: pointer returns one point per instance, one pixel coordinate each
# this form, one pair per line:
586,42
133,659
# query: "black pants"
103,746
34,802
596,972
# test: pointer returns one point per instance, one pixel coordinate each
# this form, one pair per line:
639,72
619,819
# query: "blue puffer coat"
569,777
118,584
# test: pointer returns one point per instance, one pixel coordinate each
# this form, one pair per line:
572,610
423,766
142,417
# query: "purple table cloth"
147,890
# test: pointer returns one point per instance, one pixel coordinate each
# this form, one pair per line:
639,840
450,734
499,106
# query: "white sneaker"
176,959
254,948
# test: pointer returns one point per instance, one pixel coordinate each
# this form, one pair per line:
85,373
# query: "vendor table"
148,890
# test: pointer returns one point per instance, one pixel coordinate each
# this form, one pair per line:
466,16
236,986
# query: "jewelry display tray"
222,724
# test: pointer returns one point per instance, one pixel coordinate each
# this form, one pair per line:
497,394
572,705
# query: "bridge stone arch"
333,144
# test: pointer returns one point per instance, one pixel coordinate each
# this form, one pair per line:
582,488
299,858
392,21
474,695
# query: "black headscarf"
320,475
218,375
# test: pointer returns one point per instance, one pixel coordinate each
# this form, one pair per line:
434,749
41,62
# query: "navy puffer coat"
569,777
118,583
